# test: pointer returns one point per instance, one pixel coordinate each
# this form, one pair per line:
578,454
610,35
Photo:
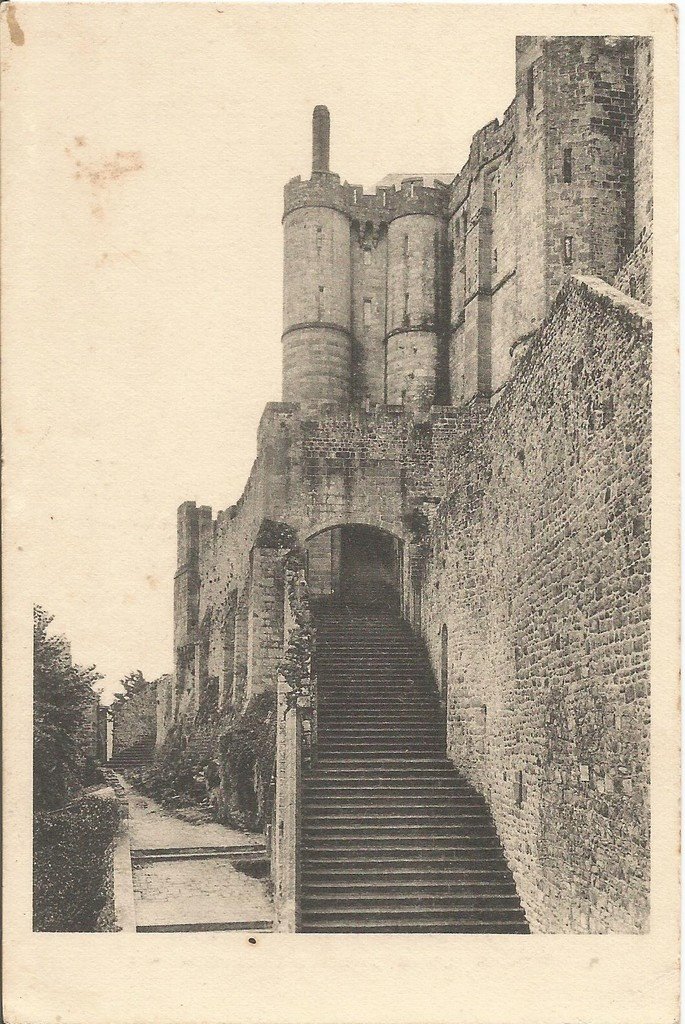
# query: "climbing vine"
247,751
296,665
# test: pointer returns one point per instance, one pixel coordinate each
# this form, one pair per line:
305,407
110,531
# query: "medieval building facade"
462,455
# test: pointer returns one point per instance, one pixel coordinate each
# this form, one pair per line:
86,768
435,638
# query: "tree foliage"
61,693
132,683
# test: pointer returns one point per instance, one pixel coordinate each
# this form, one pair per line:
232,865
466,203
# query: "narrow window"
367,312
444,663
632,286
494,200
494,261
319,239
320,302
405,249
412,189
519,789
530,88
406,305
567,169
354,194
385,198
568,249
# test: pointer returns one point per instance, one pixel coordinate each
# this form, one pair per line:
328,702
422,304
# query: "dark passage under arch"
357,566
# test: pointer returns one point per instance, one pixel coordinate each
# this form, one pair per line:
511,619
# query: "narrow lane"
194,877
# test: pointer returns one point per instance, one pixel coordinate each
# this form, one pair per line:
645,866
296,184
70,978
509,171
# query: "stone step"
318,813
398,832
387,770
409,925
209,926
418,897
469,849
404,910
366,760
391,876
365,806
387,793
395,735
372,741
337,705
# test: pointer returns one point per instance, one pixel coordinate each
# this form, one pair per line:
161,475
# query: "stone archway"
356,565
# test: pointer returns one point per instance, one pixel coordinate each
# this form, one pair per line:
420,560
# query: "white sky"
146,149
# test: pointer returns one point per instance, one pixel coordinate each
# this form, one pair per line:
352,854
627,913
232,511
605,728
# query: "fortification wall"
539,567
644,132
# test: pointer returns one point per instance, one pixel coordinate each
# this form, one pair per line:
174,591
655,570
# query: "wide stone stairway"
393,838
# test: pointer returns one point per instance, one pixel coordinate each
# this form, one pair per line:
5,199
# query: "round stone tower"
317,299
416,243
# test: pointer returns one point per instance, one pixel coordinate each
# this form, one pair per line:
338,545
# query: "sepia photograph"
331,367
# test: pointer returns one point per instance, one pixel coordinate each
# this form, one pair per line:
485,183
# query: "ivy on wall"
296,665
247,751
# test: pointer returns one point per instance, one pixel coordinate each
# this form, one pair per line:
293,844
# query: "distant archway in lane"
357,566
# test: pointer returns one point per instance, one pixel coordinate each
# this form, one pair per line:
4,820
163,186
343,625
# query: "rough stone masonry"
466,369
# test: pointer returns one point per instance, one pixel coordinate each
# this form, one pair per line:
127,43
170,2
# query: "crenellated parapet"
326,190
489,143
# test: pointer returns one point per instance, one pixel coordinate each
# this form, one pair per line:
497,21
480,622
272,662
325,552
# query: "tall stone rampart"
539,567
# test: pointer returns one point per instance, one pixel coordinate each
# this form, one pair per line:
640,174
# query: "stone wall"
136,719
635,277
539,568
644,142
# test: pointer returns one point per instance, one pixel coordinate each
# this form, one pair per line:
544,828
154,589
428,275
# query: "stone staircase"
393,838
134,756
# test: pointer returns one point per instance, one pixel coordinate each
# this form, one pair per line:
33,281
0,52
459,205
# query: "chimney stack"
321,139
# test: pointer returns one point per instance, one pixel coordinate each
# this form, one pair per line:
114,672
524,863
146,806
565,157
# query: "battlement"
386,204
489,143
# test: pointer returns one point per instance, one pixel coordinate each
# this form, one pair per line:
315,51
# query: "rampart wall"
539,567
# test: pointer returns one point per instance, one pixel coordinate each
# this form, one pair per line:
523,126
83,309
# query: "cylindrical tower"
416,243
317,298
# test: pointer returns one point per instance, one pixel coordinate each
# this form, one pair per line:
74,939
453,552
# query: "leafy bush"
247,751
72,865
61,693
177,775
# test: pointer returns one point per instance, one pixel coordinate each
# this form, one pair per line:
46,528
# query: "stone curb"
124,906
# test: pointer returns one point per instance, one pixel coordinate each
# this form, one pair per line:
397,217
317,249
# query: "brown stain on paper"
15,29
101,171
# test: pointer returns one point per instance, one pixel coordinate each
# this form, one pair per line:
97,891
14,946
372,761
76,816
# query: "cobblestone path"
194,877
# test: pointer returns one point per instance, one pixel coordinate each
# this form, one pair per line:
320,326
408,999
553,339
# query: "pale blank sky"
146,148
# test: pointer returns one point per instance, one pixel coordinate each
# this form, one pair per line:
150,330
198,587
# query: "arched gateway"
355,566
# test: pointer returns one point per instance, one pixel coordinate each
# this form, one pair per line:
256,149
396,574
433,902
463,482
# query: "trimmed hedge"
72,865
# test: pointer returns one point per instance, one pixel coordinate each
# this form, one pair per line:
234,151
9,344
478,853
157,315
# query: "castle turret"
416,242
317,299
